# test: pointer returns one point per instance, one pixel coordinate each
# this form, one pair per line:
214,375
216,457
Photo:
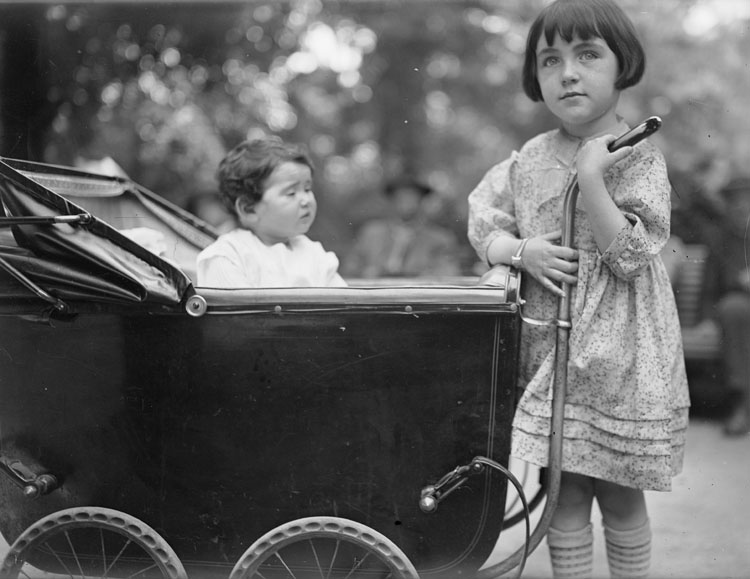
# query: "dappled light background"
372,88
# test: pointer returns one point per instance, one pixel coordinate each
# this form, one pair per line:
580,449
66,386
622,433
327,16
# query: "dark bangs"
585,19
571,19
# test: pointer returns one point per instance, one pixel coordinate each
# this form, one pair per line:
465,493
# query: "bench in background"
701,339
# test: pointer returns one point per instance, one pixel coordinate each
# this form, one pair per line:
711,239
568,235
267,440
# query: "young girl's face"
288,205
577,80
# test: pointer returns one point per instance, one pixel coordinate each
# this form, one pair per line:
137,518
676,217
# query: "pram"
151,428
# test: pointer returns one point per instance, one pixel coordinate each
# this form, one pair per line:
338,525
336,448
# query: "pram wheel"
92,542
323,547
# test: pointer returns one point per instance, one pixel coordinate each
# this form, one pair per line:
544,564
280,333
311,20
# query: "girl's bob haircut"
585,19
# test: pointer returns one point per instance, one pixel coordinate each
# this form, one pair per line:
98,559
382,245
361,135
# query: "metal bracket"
431,495
56,303
33,485
80,219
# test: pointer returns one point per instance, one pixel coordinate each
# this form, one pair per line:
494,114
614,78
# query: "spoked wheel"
323,548
91,542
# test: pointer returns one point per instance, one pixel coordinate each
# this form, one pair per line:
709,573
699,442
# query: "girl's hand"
549,263
594,158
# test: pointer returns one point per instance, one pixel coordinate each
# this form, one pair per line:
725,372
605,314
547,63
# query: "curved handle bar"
431,495
636,134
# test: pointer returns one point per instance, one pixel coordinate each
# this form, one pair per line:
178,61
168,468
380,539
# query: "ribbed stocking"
629,552
571,553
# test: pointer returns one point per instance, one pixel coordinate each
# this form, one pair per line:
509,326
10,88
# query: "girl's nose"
569,72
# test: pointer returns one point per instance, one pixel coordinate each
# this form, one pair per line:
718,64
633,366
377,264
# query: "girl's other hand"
594,158
549,263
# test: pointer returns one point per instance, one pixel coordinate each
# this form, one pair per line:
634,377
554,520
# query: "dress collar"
567,145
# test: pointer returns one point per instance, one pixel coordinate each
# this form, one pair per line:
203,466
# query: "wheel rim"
92,542
323,548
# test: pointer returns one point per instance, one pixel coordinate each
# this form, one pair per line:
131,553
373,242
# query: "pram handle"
636,134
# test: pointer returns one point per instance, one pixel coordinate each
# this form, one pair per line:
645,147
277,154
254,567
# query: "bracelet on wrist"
516,259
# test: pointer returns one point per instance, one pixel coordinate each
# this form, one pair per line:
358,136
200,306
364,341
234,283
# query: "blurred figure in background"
406,243
728,296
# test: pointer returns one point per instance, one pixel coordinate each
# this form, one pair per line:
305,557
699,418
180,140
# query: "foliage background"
373,88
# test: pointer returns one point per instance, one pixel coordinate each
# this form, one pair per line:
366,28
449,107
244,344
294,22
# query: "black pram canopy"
87,258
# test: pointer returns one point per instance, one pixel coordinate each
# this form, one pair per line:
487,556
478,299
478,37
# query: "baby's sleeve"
335,280
643,195
331,268
219,271
492,207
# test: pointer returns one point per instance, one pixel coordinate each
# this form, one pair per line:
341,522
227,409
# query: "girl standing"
626,410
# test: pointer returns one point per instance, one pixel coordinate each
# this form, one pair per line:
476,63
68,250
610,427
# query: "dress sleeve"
642,193
492,207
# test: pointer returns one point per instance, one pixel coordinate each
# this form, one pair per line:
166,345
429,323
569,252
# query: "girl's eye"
550,61
589,55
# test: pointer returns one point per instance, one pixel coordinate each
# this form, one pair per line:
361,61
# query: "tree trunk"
24,111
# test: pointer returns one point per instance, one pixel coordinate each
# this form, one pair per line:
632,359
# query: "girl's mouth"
571,95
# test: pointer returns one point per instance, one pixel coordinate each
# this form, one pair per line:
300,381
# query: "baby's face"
288,205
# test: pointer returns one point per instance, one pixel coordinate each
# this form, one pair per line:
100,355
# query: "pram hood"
91,260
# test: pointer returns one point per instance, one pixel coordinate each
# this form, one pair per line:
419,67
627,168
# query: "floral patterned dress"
626,409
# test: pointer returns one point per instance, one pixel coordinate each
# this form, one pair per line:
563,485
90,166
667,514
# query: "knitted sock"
629,552
571,552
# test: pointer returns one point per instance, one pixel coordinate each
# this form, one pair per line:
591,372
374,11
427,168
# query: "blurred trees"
371,87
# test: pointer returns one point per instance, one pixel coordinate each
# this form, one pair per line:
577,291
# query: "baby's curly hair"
243,172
